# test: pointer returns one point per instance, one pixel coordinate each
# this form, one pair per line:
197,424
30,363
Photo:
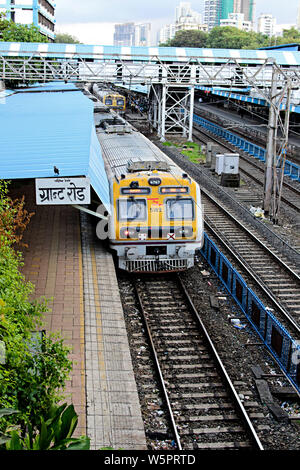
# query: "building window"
47,6
45,22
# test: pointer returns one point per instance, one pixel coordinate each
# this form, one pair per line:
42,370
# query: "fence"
276,338
291,169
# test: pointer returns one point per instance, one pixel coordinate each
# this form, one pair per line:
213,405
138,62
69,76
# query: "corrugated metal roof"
246,98
43,130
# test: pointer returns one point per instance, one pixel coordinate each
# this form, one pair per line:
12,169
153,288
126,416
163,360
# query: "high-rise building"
131,34
124,34
212,13
185,19
142,34
41,13
226,7
165,33
184,9
217,10
266,24
247,7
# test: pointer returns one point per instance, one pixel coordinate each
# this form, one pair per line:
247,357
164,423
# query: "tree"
220,37
188,38
65,38
228,37
10,31
289,36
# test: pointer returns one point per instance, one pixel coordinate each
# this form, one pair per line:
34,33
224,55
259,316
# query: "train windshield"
108,101
120,102
180,209
132,209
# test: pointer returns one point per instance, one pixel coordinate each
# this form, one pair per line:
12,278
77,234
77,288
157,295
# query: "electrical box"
219,167
231,164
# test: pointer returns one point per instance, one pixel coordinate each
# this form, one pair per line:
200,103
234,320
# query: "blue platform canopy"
47,126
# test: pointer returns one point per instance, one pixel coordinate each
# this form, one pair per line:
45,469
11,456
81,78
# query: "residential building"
41,13
212,13
237,20
166,32
185,19
217,10
186,25
266,24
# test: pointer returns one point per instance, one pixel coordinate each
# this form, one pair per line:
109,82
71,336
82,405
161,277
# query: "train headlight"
184,232
127,232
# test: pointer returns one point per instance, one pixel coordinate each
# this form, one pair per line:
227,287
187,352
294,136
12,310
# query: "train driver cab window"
120,102
108,101
180,209
132,209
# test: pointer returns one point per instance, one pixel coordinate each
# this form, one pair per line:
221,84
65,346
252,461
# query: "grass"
189,149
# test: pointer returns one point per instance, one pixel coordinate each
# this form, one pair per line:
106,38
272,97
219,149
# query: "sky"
92,21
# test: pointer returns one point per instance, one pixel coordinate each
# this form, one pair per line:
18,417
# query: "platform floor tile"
113,411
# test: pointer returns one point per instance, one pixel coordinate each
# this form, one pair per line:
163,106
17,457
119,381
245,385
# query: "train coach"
113,100
156,222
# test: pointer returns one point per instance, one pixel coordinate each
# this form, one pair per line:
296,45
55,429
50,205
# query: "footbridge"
171,73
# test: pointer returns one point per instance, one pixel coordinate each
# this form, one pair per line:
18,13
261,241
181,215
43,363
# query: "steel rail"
255,278
252,236
233,392
157,365
241,262
230,387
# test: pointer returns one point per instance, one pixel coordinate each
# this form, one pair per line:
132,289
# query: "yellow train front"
157,222
112,99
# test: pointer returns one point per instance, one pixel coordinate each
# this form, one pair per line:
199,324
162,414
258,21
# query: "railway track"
278,276
253,169
203,409
246,130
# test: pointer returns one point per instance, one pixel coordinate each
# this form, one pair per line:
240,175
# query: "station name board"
54,191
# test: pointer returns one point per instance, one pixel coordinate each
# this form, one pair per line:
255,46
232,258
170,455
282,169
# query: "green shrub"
33,372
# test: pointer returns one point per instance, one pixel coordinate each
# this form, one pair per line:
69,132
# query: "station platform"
68,266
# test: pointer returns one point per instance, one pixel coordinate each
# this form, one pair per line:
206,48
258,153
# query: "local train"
110,98
156,221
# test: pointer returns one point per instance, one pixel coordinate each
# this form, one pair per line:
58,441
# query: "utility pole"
271,145
277,196
191,122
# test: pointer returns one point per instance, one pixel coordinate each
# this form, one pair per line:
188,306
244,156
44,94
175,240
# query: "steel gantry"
171,74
